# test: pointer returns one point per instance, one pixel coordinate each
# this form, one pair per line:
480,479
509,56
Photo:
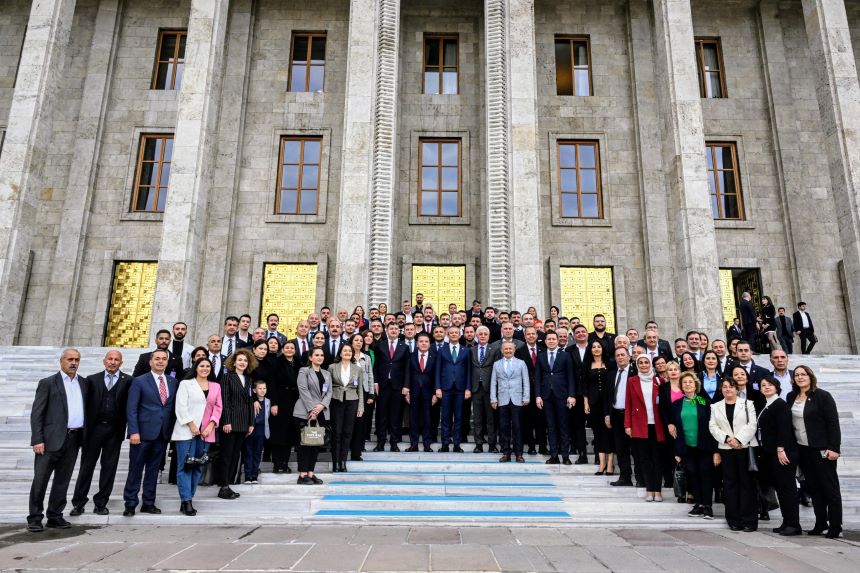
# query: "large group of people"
699,409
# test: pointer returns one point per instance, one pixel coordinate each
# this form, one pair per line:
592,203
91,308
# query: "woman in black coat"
237,417
778,460
815,420
285,368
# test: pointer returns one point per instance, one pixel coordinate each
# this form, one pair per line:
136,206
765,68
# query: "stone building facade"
78,96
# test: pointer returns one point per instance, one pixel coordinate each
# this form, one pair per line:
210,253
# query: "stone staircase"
400,488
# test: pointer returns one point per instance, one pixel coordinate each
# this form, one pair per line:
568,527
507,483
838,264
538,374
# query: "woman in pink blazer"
198,411
643,424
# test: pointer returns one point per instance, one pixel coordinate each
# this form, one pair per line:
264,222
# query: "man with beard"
493,324
162,342
180,347
606,338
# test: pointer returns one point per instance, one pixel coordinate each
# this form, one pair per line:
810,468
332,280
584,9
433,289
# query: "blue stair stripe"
438,483
389,473
440,513
455,498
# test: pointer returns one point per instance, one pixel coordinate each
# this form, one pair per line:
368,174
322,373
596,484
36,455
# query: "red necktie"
391,350
534,357
304,346
421,362
162,390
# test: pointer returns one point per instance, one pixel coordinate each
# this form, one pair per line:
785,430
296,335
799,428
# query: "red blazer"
635,414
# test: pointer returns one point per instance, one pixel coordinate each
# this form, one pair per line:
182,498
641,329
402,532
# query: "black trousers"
698,465
557,427
361,431
510,429
576,427
623,448
420,417
343,416
807,340
103,442
781,478
648,456
534,426
228,462
740,494
307,455
823,483
483,415
144,459
389,414
61,464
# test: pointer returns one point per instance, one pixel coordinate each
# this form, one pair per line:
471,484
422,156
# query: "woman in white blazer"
733,426
198,411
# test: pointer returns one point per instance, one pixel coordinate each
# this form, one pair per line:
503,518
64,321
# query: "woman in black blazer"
710,377
778,460
816,427
237,418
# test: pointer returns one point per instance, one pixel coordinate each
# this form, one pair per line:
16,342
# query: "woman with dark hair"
269,370
365,362
368,350
318,340
815,421
768,322
260,349
710,377
553,314
196,354
659,363
694,445
362,323
237,417
595,384
283,399
689,363
779,454
642,422
347,403
669,392
314,398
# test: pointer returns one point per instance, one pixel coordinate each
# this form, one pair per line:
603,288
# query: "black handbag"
192,463
679,481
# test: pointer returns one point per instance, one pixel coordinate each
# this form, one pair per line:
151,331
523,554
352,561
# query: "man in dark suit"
804,328
654,346
785,330
174,363
748,320
150,416
576,414
334,341
613,411
606,338
483,355
453,386
755,372
107,394
57,425
213,346
230,342
534,422
272,322
557,394
421,396
735,330
302,341
391,373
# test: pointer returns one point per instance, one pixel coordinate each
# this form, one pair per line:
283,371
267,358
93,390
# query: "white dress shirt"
74,401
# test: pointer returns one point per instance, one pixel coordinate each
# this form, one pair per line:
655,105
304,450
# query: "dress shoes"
532,452
395,448
35,527
151,509
458,449
186,509
479,449
128,512
304,481
226,493
817,530
343,467
315,480
521,460
553,460
791,531
832,533
735,527
764,516
543,451
494,449
505,459
444,449
620,482
76,511
565,460
58,523
749,528
582,459
335,467
412,449
101,511
379,448
356,459
428,449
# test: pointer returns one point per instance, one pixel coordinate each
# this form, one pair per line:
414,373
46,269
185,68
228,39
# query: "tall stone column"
68,255
183,238
384,151
838,94
697,285
351,277
498,123
26,145
527,260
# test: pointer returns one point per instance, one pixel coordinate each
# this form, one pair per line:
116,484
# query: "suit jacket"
747,314
775,428
743,424
510,389
781,332
734,332
347,389
193,405
310,394
49,417
517,344
580,370
559,379
238,408
821,419
146,414
704,440
423,382
452,375
391,371
482,374
174,365
798,321
636,412
281,338
524,354
302,357
662,350
610,389
756,375
96,391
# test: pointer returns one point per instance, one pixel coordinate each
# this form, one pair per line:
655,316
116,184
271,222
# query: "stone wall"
13,23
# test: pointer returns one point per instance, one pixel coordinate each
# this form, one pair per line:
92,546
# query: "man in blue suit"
453,383
150,413
421,396
556,394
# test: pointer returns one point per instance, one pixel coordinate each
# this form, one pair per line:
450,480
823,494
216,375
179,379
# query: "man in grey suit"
57,423
785,330
483,356
509,391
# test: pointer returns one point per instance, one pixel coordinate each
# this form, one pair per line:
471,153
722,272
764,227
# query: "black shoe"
444,449
832,533
128,512
639,484
479,449
379,448
356,459
600,472
35,527
791,531
553,460
458,449
805,501
697,511
76,511
582,459
764,516
304,481
749,528
412,448
493,450
505,459
532,452
58,523
184,510
335,467
315,480
817,530
735,527
286,469
101,511
565,460
718,496
395,448
708,512
428,449
276,470
151,509
543,451
191,507
227,493
622,483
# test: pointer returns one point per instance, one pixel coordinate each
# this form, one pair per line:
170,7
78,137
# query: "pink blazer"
212,412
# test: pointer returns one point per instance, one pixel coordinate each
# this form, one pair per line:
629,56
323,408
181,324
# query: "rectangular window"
709,59
579,179
299,176
130,310
153,173
439,178
307,62
723,181
170,60
441,64
573,65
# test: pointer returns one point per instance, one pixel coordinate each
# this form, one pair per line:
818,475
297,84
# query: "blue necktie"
481,357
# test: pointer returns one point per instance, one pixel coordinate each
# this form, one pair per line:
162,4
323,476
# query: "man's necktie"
110,381
551,359
534,357
454,353
651,355
617,382
229,346
162,390
391,349
421,362
333,344
481,356
304,346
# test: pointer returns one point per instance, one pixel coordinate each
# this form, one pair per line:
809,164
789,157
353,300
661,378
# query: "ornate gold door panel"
586,291
440,285
130,309
289,290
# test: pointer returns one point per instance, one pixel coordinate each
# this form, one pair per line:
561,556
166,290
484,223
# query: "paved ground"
199,547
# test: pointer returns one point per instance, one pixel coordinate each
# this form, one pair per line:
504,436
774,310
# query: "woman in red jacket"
642,422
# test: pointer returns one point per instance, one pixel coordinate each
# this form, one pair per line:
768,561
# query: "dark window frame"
700,65
577,143
711,148
439,166
301,164
308,65
572,40
440,68
144,137
170,84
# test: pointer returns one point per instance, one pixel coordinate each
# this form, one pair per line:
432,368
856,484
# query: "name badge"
355,381
325,388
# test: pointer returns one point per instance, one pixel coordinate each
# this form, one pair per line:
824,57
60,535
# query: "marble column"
68,255
527,260
351,277
694,245
498,124
384,152
838,93
183,238
26,146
